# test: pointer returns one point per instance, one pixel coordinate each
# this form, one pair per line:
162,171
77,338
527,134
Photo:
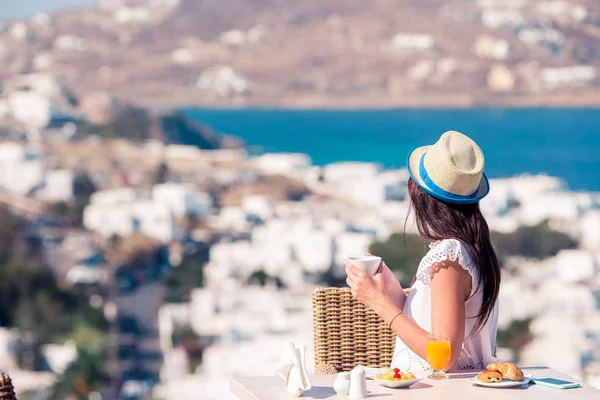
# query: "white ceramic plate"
373,372
504,384
398,384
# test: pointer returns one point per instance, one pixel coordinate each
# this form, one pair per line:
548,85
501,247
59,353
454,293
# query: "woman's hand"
367,289
390,283
392,286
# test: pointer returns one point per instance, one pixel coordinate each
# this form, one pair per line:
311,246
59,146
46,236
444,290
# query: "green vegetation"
516,336
29,296
84,376
182,279
538,241
31,301
402,254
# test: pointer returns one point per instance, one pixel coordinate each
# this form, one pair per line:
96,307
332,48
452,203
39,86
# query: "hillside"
314,53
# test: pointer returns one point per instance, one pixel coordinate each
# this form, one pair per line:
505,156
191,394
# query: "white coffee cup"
370,264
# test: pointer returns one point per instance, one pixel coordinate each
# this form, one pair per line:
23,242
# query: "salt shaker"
342,383
358,384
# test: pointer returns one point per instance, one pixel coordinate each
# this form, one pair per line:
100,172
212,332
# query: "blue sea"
558,142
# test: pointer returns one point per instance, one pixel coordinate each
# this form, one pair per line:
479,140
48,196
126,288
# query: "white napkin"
293,369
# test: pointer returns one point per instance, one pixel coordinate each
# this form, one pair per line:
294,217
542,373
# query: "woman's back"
478,348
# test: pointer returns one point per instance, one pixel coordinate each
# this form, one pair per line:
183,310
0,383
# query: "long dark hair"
437,220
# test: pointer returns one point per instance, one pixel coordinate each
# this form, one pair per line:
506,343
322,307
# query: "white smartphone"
555,383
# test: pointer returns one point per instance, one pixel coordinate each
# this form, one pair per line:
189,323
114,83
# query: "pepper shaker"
358,384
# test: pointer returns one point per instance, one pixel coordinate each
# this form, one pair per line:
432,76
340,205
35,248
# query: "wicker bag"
347,334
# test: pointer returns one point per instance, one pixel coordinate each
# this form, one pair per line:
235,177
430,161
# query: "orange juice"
438,354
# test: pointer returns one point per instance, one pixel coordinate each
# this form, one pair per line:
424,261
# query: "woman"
457,282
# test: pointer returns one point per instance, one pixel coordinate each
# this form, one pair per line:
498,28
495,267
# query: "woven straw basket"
347,334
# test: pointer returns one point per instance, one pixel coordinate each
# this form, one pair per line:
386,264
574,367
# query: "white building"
223,81
567,206
60,356
121,212
578,75
283,163
576,266
313,249
19,31
182,55
562,10
254,326
231,218
181,199
501,79
495,18
422,70
57,186
413,41
113,196
235,37
32,108
261,206
125,15
349,244
70,43
541,36
590,230
347,171
491,47
21,169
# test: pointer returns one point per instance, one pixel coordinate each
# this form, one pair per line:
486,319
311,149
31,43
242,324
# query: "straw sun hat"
451,169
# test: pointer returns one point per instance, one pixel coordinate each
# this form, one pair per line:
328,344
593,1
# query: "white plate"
398,384
504,384
373,372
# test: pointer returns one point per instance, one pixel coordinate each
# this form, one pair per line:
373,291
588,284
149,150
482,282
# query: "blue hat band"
436,190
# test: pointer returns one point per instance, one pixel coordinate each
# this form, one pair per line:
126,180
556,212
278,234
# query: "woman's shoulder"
442,250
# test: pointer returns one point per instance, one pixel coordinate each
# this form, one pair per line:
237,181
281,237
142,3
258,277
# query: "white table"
457,387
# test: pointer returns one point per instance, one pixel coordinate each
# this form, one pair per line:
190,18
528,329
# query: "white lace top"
477,350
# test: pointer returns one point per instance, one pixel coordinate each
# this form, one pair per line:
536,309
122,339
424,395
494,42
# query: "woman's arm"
392,286
448,288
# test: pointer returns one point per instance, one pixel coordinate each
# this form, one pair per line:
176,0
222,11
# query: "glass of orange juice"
438,355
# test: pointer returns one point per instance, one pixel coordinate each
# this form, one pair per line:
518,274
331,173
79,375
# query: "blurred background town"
176,176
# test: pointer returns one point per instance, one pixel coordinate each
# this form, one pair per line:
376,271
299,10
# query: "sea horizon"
561,142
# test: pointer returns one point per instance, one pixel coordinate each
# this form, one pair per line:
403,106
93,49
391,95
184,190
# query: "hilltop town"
383,53
143,254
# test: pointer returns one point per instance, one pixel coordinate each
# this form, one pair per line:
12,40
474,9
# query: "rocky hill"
315,53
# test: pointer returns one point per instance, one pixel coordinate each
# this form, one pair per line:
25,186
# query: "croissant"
494,366
511,371
489,376
508,370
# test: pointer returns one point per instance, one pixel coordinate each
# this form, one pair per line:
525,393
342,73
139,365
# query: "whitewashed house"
121,212
413,41
590,230
57,186
182,199
21,169
578,75
574,266
283,163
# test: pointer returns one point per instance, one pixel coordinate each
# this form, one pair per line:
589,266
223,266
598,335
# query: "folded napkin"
292,369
